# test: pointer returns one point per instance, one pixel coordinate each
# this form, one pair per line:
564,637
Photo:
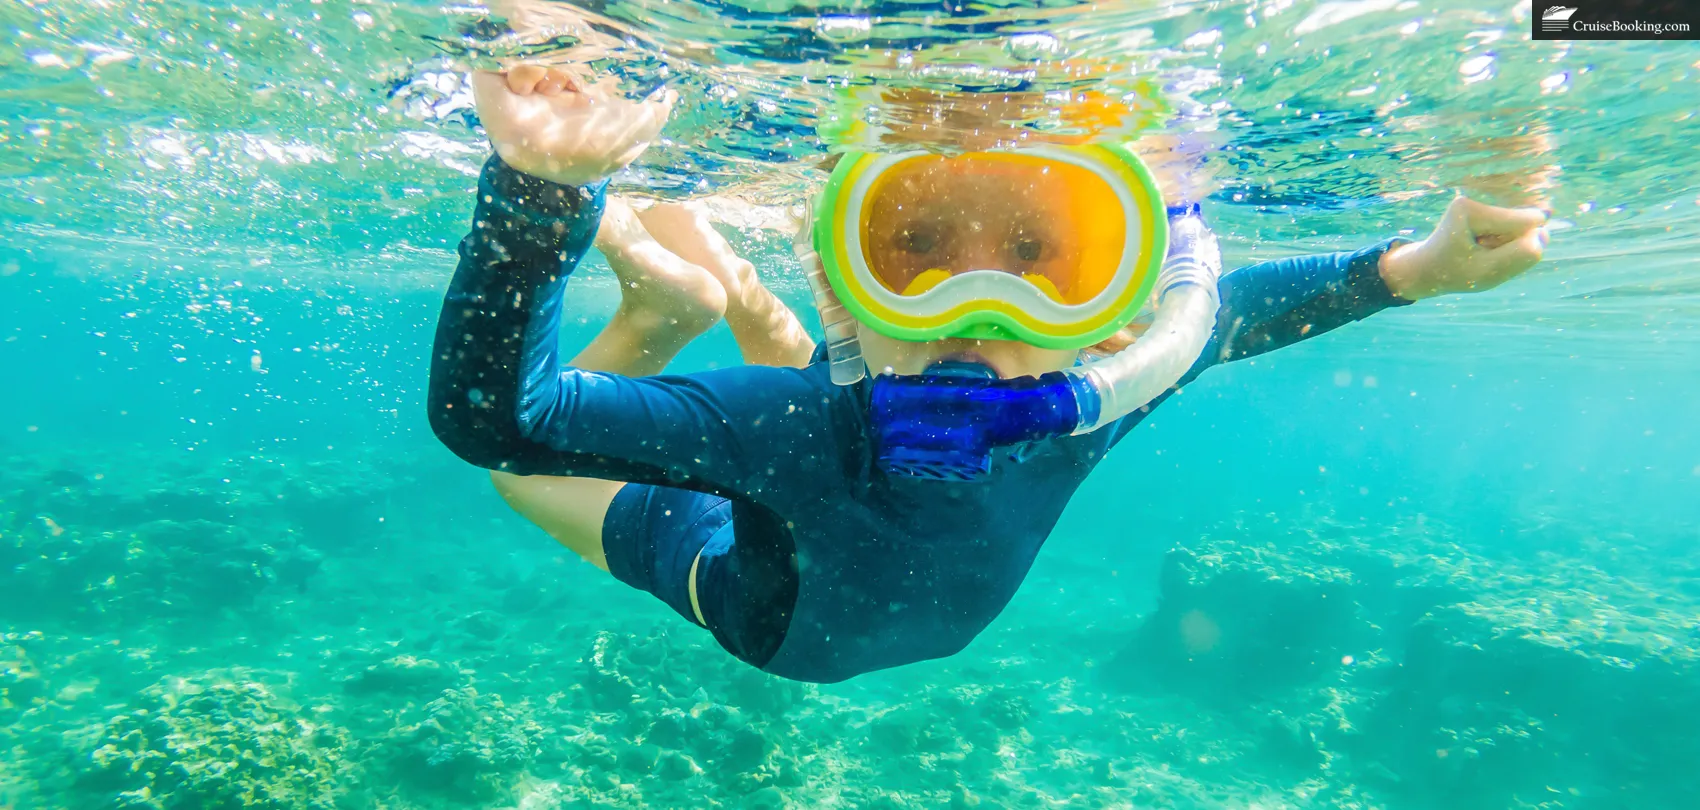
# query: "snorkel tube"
944,424
1187,301
843,348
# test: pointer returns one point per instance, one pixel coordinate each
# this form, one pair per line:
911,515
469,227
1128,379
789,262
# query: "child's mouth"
970,357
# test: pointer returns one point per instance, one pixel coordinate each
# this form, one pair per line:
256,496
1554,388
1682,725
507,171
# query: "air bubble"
1476,69
1032,47
1203,39
843,30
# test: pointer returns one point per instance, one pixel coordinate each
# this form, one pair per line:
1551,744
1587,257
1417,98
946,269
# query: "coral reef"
403,676
462,747
1241,622
677,720
1447,678
21,684
111,489
1577,683
217,742
162,567
459,663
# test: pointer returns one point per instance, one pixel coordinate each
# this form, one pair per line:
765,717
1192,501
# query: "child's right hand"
545,122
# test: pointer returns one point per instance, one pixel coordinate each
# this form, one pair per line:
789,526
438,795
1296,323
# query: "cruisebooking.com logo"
1617,19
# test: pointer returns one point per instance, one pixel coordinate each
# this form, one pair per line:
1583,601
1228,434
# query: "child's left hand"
1476,247
549,123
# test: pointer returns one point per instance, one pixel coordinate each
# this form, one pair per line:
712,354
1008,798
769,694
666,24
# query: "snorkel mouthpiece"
943,425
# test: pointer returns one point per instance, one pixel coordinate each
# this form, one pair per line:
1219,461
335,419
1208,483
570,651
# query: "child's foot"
685,230
659,292
767,332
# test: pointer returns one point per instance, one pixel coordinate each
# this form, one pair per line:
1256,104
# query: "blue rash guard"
816,565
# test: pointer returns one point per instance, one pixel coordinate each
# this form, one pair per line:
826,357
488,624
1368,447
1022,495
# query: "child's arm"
1269,305
1273,304
499,396
501,399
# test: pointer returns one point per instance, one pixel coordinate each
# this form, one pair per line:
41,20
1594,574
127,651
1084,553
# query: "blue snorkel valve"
945,424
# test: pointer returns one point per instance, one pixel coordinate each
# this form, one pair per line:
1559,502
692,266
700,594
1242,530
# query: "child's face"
959,216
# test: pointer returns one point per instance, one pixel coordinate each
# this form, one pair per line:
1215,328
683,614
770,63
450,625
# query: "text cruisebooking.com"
1651,20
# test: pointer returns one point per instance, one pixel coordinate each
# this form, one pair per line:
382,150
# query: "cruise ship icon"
1557,14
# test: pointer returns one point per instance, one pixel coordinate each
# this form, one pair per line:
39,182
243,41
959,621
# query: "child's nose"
983,251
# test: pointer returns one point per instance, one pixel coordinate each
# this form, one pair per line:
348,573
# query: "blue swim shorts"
747,577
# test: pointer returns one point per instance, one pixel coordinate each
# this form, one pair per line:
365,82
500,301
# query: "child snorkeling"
876,500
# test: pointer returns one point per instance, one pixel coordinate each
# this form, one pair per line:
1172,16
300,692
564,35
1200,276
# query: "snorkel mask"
1056,246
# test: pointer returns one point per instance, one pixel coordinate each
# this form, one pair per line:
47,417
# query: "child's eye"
1029,250
917,240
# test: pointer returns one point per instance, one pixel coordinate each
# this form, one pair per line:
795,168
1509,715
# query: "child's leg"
665,302
666,541
768,333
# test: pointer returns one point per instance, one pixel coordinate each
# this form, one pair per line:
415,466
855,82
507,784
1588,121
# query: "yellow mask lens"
1059,225
1045,286
926,281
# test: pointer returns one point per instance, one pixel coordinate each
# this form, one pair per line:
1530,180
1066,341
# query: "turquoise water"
1445,558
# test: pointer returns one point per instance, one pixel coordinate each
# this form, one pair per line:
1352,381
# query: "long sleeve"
1268,305
501,399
